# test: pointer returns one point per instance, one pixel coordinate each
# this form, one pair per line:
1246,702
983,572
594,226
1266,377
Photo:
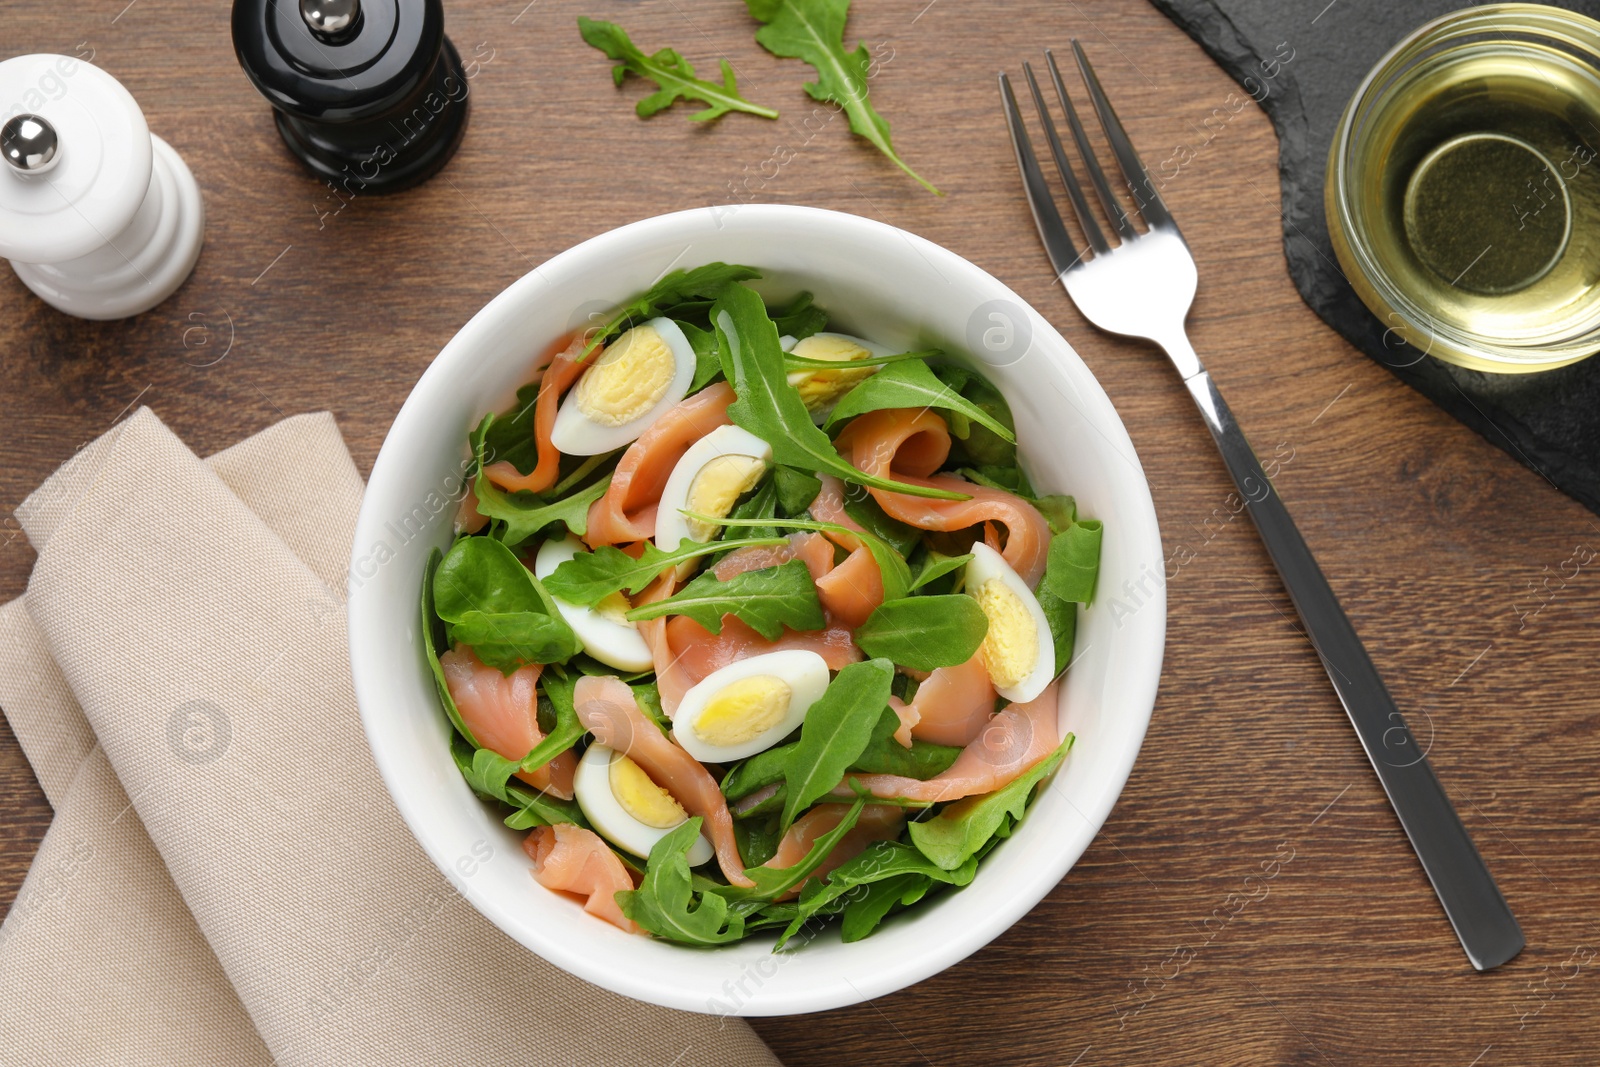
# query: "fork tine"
1080,206
1097,177
1052,231
1139,183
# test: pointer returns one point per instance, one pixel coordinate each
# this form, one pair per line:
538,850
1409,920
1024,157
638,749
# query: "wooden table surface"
1460,567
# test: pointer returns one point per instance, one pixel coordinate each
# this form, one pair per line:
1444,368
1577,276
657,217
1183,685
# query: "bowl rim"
1143,537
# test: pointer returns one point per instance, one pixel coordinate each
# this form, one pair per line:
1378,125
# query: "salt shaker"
369,94
98,217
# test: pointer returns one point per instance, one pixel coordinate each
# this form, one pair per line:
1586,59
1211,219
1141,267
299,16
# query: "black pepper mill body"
369,94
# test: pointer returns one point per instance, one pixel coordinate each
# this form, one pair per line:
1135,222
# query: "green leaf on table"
801,318
769,407
589,577
796,489
495,604
924,632
673,75
836,728
813,31
1074,562
673,292
666,904
880,861
891,565
937,566
432,641
953,836
766,600
910,384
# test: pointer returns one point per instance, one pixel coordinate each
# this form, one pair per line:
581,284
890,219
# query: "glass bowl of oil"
1463,188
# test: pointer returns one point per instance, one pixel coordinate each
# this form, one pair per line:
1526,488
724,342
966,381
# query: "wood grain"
1435,540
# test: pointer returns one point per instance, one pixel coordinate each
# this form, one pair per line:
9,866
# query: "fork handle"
1472,901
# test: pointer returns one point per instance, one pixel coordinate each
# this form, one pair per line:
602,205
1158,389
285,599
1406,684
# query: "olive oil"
1487,198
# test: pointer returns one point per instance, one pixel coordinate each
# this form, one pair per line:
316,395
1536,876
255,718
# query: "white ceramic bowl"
893,287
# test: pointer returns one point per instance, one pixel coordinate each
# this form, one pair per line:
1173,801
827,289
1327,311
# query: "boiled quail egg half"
626,806
713,474
1018,650
821,388
604,629
750,705
638,376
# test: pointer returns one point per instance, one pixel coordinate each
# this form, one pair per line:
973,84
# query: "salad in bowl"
750,624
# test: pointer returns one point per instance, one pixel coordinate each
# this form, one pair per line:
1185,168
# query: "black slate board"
1550,420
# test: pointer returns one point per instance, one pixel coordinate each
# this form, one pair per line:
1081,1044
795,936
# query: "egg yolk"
716,487
628,379
822,388
1011,647
641,797
741,711
614,608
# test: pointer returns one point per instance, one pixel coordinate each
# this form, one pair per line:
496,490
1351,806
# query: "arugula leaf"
567,729
769,407
518,516
1074,561
758,840
884,755
801,318
924,632
891,565
836,728
672,74
791,361
489,774
910,384
863,915
796,489
773,882
980,446
1062,615
432,641
648,697
707,364
510,437
664,903
590,577
1058,510
1011,479
813,30
767,600
936,566
674,291
866,511
761,504
879,862
495,604
951,837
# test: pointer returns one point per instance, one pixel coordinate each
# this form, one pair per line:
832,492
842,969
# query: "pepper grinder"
369,94
99,218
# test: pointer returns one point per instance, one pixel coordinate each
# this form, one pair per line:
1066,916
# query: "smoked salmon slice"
565,368
502,711
954,703
878,822
849,592
606,707
908,445
812,549
1013,741
570,859
628,510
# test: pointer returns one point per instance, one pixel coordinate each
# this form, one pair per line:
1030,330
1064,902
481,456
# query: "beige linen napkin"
208,656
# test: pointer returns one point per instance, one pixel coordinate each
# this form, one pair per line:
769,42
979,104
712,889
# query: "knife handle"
1473,902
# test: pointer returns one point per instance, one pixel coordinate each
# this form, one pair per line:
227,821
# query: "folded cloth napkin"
260,882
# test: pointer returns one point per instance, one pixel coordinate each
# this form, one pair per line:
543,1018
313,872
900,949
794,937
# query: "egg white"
672,526
612,643
987,564
575,434
591,786
806,674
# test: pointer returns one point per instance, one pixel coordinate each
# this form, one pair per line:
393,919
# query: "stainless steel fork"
1142,286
